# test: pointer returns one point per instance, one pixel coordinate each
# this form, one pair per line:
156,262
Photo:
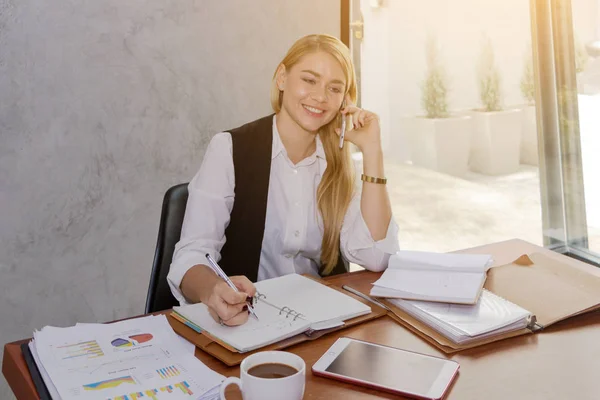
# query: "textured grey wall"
103,106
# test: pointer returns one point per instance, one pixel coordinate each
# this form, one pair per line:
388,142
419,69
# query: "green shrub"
527,82
434,89
490,91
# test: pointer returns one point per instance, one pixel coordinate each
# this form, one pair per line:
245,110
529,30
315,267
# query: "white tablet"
387,368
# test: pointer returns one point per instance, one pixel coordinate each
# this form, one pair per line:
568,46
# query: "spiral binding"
284,310
259,296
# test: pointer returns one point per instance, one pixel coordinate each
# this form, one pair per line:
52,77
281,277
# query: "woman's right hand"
228,306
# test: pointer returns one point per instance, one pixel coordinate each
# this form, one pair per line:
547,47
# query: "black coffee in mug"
272,370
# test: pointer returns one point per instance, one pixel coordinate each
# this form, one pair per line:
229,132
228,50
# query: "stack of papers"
447,278
140,358
462,324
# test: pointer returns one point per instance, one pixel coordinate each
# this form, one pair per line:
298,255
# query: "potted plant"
496,140
529,146
439,140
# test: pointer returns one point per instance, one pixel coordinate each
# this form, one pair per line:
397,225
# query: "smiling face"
313,90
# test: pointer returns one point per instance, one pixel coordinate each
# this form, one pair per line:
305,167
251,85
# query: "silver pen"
364,296
215,267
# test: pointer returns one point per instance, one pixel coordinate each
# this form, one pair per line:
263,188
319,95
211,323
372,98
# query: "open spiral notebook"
285,306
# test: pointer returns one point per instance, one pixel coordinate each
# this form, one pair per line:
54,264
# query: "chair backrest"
169,231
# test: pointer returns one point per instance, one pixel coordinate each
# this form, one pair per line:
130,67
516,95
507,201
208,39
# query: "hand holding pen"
245,283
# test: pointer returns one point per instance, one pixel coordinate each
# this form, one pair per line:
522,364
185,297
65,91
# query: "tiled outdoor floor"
438,212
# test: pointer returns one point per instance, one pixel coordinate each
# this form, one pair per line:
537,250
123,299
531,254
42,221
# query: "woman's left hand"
362,128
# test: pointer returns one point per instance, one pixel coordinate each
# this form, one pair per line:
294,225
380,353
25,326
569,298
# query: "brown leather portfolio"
550,290
231,357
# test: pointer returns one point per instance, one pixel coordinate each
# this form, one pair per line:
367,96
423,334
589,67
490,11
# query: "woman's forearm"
375,202
197,283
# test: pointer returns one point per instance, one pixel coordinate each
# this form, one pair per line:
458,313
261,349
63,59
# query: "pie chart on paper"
133,340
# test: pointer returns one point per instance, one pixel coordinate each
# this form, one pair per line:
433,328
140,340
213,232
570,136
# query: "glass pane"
586,48
566,93
452,82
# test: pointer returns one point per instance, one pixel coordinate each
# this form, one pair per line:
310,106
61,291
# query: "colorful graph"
89,349
132,340
168,372
185,387
151,394
110,383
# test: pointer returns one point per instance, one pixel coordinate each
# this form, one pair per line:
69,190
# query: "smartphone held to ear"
387,368
343,127
343,131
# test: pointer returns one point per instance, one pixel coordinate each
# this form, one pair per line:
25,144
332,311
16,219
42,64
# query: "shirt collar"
320,150
278,147
277,143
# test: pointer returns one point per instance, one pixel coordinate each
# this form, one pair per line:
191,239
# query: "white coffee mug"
254,388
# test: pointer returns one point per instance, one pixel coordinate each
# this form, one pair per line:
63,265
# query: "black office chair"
169,231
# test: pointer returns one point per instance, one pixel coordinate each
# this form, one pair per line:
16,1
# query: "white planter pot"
496,142
441,144
398,150
529,143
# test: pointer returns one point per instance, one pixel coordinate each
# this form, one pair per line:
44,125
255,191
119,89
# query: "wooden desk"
558,363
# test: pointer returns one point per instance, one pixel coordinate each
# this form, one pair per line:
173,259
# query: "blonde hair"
336,188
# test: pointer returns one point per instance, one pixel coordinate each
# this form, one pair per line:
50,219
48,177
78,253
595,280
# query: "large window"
490,114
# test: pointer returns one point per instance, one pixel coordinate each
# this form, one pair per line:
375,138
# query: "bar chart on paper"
180,388
88,350
168,372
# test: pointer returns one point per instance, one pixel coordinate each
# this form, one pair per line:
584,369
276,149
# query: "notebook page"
460,337
420,260
270,327
508,328
317,303
430,285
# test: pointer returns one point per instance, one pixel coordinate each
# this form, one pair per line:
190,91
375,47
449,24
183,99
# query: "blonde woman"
278,195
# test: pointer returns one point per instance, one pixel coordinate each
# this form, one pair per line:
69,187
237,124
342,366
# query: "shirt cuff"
361,237
175,276
181,264
361,249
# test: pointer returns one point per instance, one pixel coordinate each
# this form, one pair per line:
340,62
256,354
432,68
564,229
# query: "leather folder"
552,291
231,357
36,376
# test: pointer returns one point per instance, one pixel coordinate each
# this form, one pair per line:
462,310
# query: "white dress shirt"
293,224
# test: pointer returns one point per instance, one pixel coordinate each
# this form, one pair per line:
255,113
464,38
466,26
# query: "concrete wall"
103,106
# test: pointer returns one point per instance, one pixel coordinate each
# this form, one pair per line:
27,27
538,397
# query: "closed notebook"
285,306
446,278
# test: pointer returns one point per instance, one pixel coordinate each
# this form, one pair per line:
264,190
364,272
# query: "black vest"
252,145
